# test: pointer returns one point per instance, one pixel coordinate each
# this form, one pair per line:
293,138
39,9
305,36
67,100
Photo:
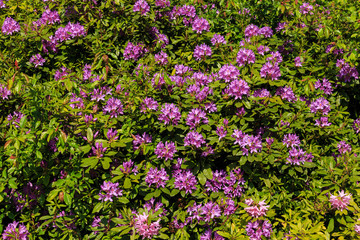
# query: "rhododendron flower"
341,201
146,228
245,56
270,71
201,51
256,209
217,40
37,60
291,140
110,190
324,85
185,180
306,8
238,88
252,30
356,125
320,105
247,142
15,231
200,24
195,117
10,26
4,92
113,107
157,177
170,114
141,6
166,150
343,147
258,228
298,62
228,72
194,138
322,122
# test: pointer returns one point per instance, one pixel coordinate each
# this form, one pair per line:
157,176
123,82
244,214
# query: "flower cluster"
10,26
200,24
297,156
201,51
157,177
322,122
98,150
134,52
217,40
113,107
194,138
256,209
286,93
15,231
248,143
109,190
324,85
71,30
356,125
185,180
48,17
245,56
298,62
170,114
255,230
166,150
291,140
347,72
195,117
320,105
232,184
251,30
4,92
149,104
343,147
146,228
37,60
161,58
263,49
228,72
341,201
270,71
306,8
141,6
139,141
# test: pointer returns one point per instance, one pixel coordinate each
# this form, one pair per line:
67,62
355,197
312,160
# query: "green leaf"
67,198
330,226
208,173
54,193
89,135
123,200
127,183
149,196
106,162
202,178
12,183
89,162
97,207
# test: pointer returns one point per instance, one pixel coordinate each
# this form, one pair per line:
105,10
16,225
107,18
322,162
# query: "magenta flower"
148,105
286,93
297,156
306,8
4,92
185,180
252,30
98,150
217,40
195,117
113,107
228,72
221,132
162,3
298,62
291,140
109,190
141,6
324,85
200,24
37,60
322,122
343,147
157,177
266,32
247,142
270,71
238,88
166,150
170,114
194,138
140,140
134,52
275,57
263,49
320,105
256,209
341,201
146,228
15,231
356,125
161,58
258,228
201,51
245,56
210,210
10,26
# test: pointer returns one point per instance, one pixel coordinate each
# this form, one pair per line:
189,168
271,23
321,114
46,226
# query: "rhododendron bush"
170,119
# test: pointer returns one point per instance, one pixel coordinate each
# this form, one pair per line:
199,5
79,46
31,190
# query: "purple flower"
113,107
320,105
170,114
194,138
263,49
128,167
200,24
324,85
306,8
343,147
217,40
145,228
286,93
161,58
201,51
71,30
298,62
281,25
134,52
61,73
182,70
166,150
162,3
247,142
10,26
208,235
275,57
195,117
2,4
270,71
109,190
221,132
185,180
4,92
291,140
14,231
297,156
258,228
252,30
15,117
210,107
98,150
159,178
162,39
111,134
266,32
49,17
210,210
341,201
238,88
256,210
245,56
49,45
228,72
149,104
140,140
37,60
89,118
322,122
262,93
99,94
356,125
346,73
141,6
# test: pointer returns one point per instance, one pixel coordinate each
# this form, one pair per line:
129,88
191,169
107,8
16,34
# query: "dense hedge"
184,120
